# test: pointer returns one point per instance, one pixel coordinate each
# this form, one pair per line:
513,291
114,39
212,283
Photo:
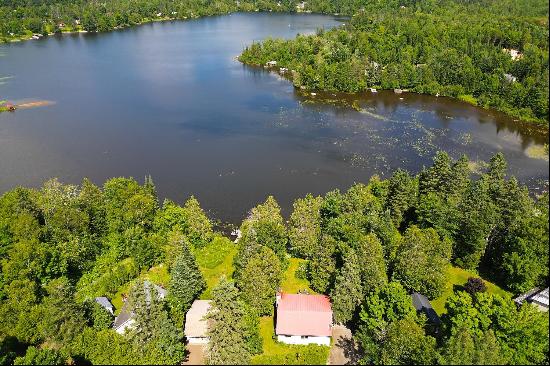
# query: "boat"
373,90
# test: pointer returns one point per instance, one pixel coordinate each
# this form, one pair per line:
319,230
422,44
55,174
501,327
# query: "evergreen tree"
266,227
197,227
402,195
459,177
305,226
438,177
159,340
186,280
260,281
322,267
477,222
228,331
347,293
371,261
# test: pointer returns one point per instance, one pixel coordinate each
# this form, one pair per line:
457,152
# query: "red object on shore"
10,107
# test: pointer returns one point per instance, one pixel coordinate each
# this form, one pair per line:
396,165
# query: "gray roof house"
421,303
105,303
125,320
536,296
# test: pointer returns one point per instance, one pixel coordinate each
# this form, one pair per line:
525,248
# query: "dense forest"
485,53
367,248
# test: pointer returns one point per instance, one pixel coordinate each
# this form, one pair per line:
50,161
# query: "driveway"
195,354
344,351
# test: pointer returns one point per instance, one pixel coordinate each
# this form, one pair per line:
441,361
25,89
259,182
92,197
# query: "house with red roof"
303,319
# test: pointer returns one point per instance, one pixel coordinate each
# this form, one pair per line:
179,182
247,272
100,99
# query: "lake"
169,99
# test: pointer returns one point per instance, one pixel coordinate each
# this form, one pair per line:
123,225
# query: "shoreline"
468,99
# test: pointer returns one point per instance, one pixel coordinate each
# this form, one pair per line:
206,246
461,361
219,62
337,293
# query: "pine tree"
260,280
371,261
460,177
227,330
266,227
437,177
305,226
322,267
347,293
402,194
187,281
197,227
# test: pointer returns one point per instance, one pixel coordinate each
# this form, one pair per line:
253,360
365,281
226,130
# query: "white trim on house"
303,340
197,340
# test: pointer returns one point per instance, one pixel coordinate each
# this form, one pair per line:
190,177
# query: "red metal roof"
304,315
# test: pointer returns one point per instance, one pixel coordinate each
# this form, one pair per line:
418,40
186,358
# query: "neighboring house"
536,296
125,320
422,304
196,325
303,319
105,303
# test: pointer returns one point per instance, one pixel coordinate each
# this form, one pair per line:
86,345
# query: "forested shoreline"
367,248
485,53
490,54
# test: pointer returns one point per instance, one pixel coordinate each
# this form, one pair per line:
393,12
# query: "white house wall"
197,340
129,324
322,341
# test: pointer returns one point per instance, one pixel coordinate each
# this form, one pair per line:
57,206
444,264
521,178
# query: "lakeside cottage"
125,320
536,296
303,319
196,324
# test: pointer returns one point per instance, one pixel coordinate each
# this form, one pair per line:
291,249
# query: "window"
303,337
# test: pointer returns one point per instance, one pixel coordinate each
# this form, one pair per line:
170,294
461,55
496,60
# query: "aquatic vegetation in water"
477,167
537,152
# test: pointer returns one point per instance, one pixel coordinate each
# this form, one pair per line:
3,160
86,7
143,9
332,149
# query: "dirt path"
195,355
344,350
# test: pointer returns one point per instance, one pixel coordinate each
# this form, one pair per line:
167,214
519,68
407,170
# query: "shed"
105,303
421,303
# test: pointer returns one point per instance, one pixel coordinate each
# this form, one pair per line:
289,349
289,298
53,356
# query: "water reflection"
169,99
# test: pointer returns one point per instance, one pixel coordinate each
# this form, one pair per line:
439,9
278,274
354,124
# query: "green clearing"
215,260
291,283
158,275
459,277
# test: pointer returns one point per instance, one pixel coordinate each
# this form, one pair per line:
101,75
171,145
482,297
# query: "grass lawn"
215,260
459,277
290,283
279,353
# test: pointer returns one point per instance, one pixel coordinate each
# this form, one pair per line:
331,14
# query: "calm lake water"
169,99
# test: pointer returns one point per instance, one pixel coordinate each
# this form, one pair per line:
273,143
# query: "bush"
35,356
301,271
475,285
